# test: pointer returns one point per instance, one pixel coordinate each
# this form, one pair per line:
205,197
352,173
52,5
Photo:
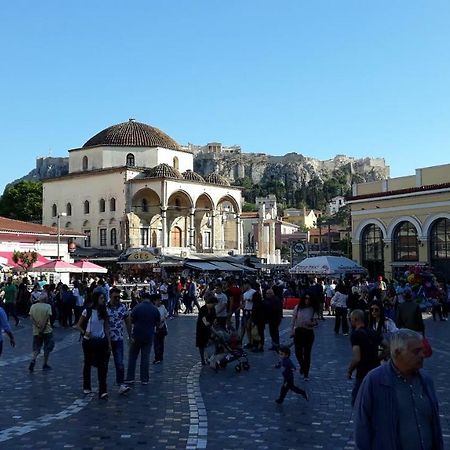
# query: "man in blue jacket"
396,407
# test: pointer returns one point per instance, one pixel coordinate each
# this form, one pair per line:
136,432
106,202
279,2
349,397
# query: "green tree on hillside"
22,201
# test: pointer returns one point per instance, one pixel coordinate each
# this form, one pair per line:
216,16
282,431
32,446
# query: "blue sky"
319,77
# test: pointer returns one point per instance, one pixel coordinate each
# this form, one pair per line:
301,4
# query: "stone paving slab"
186,406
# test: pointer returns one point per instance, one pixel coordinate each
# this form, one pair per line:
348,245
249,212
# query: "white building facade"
131,185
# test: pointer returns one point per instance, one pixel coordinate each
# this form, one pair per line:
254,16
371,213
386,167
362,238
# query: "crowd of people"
384,321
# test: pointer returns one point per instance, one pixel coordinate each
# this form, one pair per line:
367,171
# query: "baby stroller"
226,348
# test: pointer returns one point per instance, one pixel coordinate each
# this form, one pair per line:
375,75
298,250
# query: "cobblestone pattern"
40,410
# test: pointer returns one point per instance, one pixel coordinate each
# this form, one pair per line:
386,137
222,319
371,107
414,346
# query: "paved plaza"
186,406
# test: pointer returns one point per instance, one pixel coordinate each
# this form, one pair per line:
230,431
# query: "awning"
149,261
226,267
8,261
244,268
201,265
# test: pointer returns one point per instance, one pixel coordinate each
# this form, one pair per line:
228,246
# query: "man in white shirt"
221,306
247,298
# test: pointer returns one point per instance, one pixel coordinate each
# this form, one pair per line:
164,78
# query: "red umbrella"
89,267
57,266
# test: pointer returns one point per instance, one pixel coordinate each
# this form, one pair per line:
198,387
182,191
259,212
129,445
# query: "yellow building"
301,217
404,221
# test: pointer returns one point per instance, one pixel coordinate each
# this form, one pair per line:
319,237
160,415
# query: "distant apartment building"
302,217
335,204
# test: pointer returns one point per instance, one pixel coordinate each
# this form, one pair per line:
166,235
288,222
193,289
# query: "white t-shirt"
221,306
248,299
80,299
95,326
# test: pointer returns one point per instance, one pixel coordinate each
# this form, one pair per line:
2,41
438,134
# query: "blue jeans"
144,348
117,351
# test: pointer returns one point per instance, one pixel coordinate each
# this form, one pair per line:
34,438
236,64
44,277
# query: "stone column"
239,242
165,241
387,257
272,245
192,229
213,229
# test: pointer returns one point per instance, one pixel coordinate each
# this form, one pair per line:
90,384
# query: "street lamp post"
63,214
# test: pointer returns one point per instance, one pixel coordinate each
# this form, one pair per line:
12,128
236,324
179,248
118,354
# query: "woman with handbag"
303,323
94,327
161,330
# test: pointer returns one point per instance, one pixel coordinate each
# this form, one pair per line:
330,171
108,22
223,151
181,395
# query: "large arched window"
69,209
102,205
54,210
372,254
406,245
440,247
112,204
85,163
113,236
86,207
130,160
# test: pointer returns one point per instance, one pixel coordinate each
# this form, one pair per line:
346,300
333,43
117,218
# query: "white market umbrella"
328,265
89,267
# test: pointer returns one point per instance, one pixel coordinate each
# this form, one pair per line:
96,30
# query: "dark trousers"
355,389
159,345
274,330
95,354
117,351
287,386
144,348
303,342
10,310
237,317
341,316
67,319
436,309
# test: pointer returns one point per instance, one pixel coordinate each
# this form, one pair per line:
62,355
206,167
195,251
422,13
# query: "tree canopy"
22,201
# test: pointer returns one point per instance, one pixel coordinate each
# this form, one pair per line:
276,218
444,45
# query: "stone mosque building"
132,186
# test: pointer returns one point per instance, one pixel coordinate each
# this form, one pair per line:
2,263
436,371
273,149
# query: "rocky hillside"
293,169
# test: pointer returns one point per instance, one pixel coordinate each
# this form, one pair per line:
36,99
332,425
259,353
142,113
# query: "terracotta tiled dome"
193,176
164,171
132,134
215,178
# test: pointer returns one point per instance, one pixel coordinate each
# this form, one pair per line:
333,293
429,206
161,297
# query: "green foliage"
248,207
25,259
22,201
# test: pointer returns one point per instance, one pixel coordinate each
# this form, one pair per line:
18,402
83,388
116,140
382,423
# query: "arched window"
440,247
144,205
69,209
440,239
176,237
176,163
372,254
406,245
154,239
54,210
113,236
86,207
85,163
112,204
130,160
102,205
68,225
